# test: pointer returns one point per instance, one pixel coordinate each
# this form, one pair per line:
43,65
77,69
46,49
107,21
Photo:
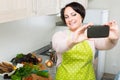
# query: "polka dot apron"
77,63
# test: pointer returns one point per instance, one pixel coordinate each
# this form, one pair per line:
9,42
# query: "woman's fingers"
83,28
81,33
114,30
112,23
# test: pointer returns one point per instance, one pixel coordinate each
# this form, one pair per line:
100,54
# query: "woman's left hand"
114,30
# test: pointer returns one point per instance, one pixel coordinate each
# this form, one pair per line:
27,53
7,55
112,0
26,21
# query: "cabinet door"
64,2
83,2
46,7
15,9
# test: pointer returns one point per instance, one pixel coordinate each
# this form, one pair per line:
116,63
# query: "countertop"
41,53
51,70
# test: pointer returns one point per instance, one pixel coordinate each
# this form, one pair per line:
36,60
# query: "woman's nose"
70,19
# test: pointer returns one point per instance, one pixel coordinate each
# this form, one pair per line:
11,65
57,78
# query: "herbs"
27,70
30,65
20,55
43,73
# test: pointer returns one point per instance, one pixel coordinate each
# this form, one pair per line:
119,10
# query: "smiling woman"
75,51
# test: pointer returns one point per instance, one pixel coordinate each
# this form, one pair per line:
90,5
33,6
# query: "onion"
40,59
49,63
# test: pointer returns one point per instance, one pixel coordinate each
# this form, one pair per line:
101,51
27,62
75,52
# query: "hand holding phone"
98,31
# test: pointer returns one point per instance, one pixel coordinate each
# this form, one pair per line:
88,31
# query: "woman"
75,51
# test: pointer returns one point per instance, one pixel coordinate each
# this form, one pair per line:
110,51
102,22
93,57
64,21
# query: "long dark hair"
75,6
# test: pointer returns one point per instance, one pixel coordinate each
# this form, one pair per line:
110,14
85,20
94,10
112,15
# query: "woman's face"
72,18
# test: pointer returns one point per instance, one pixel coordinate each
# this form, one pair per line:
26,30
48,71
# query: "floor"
108,76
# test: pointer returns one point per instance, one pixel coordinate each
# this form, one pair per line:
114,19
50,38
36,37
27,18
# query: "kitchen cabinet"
18,9
15,9
64,2
49,7
46,7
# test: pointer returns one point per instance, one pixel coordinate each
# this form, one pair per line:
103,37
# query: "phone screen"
98,31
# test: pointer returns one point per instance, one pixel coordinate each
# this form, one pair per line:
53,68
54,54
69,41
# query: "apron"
77,63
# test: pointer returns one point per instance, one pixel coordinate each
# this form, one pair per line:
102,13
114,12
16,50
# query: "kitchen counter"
43,53
51,70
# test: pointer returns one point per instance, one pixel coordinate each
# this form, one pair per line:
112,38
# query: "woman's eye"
66,17
74,14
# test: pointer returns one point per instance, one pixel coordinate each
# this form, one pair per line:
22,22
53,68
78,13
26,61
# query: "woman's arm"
65,40
111,40
59,42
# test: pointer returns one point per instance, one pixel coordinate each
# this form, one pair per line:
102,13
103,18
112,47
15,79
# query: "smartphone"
98,31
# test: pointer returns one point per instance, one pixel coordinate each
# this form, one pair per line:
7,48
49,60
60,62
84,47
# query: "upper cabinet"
15,9
64,2
46,7
18,9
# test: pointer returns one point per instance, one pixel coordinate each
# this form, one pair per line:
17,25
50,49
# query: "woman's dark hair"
75,6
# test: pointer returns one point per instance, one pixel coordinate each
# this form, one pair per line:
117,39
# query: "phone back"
98,31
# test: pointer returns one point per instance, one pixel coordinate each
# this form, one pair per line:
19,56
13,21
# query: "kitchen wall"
24,36
112,63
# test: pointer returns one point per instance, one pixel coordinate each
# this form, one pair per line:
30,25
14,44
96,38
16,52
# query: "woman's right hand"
80,34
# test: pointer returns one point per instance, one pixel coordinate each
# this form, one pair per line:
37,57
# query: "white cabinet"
18,9
64,2
46,7
15,9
